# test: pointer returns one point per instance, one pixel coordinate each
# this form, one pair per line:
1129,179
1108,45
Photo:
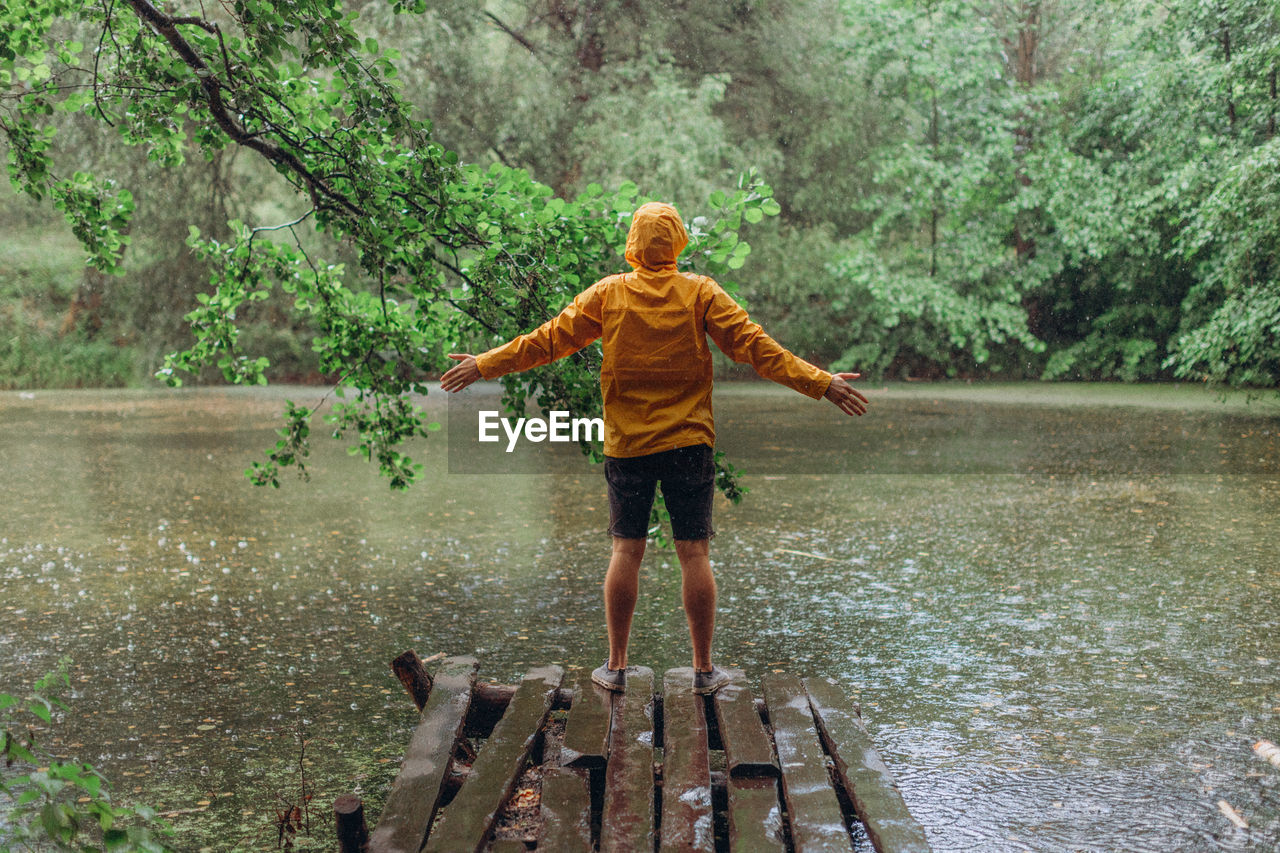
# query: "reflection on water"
1060,617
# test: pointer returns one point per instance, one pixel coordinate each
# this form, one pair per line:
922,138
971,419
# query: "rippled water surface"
1059,608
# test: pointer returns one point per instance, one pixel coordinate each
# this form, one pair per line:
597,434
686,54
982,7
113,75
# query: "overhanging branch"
166,27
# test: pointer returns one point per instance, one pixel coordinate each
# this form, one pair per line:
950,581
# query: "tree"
443,251
1160,203
1230,329
938,276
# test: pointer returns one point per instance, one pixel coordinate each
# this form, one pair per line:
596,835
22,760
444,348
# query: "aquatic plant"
51,804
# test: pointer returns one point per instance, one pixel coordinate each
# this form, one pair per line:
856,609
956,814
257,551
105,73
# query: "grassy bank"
44,343
1185,396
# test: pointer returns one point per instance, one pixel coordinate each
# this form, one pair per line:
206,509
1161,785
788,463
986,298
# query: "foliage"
1239,342
443,251
1074,189
1158,208
61,805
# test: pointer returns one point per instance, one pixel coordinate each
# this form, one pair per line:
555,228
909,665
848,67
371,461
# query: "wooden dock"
555,763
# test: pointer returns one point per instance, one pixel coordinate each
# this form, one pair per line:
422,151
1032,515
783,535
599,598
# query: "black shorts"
688,477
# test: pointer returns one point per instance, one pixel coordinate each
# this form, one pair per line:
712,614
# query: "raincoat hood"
657,237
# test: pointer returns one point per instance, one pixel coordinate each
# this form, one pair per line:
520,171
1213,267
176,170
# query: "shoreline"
1183,396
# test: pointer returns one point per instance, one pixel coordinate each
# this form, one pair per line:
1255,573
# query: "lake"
1057,605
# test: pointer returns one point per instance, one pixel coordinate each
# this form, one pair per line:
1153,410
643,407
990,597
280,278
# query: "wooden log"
488,704
815,817
566,812
586,730
563,698
468,820
627,823
875,796
755,815
411,803
686,767
747,749
413,675
348,818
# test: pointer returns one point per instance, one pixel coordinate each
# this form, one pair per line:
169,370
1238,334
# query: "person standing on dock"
656,380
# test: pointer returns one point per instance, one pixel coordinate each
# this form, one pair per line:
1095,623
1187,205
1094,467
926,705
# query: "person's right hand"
461,374
847,398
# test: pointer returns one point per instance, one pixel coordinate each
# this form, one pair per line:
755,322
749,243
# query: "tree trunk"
1023,58
934,212
1271,119
580,24
1226,56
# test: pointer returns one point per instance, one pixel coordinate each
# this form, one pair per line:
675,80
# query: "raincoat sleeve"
577,325
745,342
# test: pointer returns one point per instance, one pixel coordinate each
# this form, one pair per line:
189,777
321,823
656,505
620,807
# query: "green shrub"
60,805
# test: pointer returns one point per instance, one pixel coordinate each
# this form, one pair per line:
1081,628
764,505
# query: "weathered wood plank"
566,812
755,815
816,820
627,822
411,803
586,730
686,766
747,749
468,820
875,795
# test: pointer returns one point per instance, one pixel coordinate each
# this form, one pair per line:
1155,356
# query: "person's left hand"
847,398
461,374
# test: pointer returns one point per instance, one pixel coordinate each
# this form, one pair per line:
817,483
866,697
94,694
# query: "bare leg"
699,594
621,588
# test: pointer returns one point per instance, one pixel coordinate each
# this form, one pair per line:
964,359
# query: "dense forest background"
1069,189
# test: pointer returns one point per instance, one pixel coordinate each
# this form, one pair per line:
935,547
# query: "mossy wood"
411,805
467,822
627,823
875,795
747,748
816,820
633,771
755,818
586,733
566,811
686,767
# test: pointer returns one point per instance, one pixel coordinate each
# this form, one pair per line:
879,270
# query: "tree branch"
211,29
165,28
524,42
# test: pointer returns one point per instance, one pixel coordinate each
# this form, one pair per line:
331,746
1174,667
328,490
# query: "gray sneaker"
705,683
610,679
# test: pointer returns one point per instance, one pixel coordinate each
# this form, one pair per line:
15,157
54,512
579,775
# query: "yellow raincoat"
654,321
